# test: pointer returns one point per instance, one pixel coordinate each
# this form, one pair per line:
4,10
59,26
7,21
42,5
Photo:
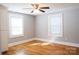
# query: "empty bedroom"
39,29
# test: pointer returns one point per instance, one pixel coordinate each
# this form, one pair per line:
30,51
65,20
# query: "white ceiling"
20,7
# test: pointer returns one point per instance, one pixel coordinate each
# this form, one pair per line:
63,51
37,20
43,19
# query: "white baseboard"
19,42
64,43
67,43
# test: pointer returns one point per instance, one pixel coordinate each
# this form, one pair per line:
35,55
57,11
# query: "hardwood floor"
37,47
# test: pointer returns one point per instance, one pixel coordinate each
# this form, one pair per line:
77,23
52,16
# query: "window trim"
16,36
49,24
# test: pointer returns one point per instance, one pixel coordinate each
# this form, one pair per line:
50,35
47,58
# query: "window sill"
16,36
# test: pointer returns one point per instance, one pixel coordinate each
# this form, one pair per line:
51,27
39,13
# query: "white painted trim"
64,43
19,42
67,43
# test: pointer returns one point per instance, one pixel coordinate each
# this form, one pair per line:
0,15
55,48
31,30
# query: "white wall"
41,27
3,28
71,27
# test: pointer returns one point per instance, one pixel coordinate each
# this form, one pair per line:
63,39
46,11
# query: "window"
55,24
16,25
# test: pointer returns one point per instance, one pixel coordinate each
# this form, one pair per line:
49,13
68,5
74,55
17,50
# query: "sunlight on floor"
20,52
39,44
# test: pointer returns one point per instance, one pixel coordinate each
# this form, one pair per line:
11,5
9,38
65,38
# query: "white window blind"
16,24
56,24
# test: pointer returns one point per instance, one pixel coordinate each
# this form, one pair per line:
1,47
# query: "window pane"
16,25
16,31
56,24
